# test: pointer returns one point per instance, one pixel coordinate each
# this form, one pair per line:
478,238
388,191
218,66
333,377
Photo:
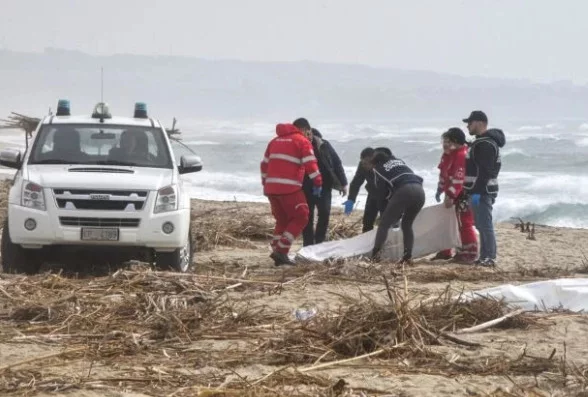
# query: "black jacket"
361,175
330,166
483,163
391,175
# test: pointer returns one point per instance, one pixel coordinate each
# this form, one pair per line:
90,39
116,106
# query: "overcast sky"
543,40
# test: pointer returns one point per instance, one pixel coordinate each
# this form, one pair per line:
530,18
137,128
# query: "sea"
543,177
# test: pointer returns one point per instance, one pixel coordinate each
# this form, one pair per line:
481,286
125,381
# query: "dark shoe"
463,260
281,259
488,263
376,256
440,256
405,261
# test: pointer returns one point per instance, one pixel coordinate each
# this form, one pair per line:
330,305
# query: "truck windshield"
101,144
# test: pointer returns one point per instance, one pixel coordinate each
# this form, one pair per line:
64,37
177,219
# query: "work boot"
463,260
281,259
406,260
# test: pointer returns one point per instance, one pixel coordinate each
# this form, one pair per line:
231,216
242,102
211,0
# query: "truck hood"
99,177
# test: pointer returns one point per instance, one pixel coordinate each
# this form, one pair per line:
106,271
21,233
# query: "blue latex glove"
438,196
348,206
317,190
475,200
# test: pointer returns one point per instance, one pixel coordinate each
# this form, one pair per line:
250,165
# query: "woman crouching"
403,190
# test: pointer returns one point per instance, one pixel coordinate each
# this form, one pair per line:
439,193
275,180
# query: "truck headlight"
167,199
32,196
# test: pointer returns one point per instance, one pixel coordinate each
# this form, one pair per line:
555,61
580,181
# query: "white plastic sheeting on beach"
435,228
565,293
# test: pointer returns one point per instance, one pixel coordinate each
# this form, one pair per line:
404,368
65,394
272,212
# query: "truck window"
100,144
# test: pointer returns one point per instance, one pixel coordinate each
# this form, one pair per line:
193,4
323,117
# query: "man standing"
364,173
288,157
333,175
483,165
451,179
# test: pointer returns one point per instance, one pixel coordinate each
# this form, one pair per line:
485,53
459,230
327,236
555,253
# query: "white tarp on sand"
435,229
565,293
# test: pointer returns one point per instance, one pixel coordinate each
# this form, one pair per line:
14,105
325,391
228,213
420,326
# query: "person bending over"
405,196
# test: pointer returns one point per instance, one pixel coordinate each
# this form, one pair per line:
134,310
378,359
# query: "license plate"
99,234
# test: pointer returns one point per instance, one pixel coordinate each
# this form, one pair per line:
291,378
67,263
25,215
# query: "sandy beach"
228,329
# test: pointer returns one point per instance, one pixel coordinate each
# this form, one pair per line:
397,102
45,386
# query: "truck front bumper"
51,228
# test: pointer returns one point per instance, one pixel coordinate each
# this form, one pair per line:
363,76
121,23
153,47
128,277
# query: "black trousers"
310,235
370,213
405,203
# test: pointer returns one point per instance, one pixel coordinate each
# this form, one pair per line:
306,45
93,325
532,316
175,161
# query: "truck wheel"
16,259
178,260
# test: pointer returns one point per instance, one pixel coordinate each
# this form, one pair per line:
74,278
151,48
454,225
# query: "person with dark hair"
333,174
483,163
405,196
288,157
383,149
304,126
451,179
364,173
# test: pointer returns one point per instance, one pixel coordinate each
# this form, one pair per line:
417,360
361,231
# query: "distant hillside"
191,88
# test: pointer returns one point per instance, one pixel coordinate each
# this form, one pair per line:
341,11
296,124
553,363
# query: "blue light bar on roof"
63,108
140,110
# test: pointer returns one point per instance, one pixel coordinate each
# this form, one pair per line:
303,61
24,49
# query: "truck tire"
178,260
16,259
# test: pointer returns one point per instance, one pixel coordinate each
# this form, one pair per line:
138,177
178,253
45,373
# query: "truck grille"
107,200
99,222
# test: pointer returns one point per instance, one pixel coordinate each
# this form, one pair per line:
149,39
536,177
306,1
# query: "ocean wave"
561,215
514,151
427,130
197,143
530,128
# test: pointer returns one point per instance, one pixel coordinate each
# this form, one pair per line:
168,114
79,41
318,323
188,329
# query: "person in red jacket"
288,157
451,179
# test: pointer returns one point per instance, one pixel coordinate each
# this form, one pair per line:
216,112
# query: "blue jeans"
483,220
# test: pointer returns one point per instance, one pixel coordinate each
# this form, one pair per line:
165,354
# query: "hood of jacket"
497,135
286,129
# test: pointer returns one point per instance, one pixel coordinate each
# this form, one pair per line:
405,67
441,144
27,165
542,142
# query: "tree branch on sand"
20,121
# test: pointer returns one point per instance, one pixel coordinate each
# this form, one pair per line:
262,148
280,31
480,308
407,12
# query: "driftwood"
490,323
173,132
526,227
20,121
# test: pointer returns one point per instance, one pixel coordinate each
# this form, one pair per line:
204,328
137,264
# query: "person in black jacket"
333,174
364,173
403,190
483,165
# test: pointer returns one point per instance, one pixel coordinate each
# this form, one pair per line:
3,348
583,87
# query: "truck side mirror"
11,158
190,163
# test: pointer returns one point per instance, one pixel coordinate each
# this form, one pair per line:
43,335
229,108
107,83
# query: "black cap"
455,135
476,115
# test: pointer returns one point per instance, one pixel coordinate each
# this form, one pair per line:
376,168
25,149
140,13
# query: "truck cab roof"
82,119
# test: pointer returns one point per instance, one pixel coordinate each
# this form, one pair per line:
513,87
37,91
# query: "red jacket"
287,158
452,172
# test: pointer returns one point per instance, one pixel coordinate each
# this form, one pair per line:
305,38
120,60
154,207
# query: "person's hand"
343,191
348,206
317,190
448,202
438,196
475,200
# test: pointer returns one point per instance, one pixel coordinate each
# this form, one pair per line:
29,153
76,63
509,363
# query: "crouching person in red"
451,178
288,157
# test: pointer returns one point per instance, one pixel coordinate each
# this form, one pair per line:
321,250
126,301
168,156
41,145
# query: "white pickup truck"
98,185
